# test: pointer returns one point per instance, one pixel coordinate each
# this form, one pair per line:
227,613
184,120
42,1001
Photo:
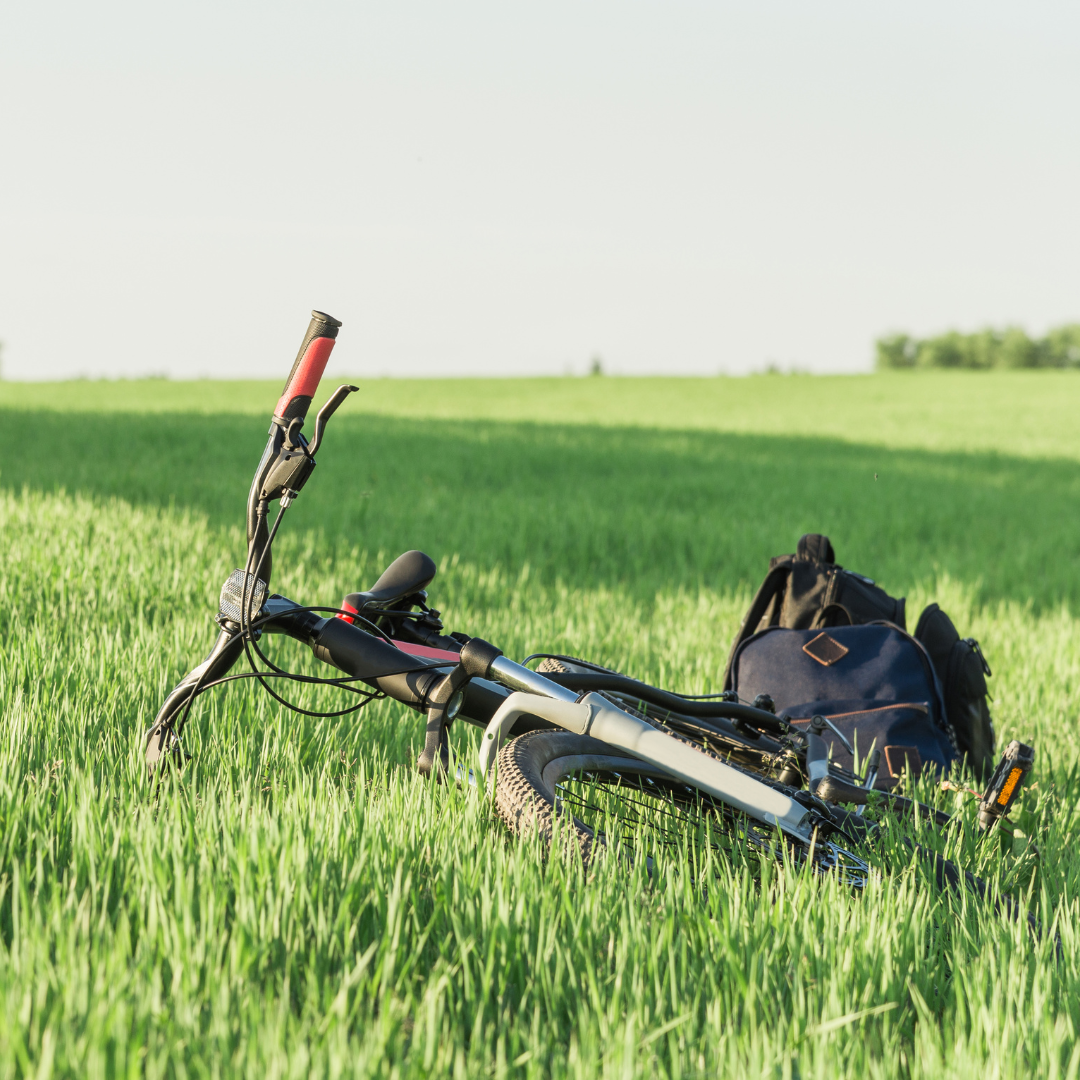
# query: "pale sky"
509,188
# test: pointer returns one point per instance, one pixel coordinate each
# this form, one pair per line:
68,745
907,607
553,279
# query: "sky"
501,188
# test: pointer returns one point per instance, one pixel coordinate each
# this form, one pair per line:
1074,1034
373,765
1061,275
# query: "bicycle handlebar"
383,667
308,368
295,400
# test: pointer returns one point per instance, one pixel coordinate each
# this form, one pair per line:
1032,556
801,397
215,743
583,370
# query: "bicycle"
570,742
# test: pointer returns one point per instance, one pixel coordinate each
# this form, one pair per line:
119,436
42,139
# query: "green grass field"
302,903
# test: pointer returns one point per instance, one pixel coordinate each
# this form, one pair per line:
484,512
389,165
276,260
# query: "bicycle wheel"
607,800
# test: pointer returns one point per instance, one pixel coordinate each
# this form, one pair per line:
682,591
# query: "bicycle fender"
570,715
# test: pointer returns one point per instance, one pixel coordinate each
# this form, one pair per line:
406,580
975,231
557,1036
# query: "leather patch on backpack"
825,650
896,757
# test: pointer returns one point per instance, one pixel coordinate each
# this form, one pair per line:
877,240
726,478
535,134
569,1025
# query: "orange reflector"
1010,785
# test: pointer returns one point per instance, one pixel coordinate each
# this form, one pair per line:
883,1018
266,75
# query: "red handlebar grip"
308,367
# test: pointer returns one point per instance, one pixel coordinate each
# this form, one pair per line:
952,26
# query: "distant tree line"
985,349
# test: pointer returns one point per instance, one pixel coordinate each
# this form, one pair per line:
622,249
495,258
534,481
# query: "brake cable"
248,627
247,632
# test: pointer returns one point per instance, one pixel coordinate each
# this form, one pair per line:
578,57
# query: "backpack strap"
773,586
833,614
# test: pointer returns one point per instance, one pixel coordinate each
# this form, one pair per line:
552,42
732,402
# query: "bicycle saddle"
406,575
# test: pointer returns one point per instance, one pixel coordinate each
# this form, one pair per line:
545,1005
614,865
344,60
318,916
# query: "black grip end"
477,656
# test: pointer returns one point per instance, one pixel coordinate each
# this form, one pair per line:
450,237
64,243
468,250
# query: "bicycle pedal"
1006,783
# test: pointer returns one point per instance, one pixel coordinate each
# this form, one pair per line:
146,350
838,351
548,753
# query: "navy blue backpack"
875,682
821,639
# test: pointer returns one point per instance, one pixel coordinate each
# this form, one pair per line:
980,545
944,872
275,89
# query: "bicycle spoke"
654,811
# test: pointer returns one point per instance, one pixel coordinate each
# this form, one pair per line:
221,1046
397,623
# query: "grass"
303,904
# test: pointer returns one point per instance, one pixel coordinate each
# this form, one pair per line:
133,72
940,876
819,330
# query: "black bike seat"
407,574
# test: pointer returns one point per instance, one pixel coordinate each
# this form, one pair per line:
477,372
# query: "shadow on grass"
638,509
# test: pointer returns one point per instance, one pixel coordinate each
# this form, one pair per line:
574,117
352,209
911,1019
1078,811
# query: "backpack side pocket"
962,670
965,700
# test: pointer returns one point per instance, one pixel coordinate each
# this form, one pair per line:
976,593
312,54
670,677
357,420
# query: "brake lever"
324,414
293,466
840,735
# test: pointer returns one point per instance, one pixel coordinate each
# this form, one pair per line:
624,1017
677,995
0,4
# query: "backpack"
874,682
811,591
